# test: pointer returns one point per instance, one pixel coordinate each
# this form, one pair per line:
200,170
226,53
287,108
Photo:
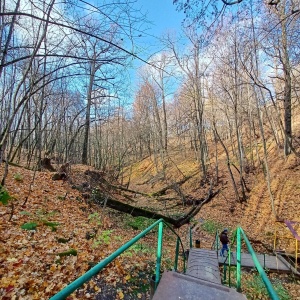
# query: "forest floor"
46,220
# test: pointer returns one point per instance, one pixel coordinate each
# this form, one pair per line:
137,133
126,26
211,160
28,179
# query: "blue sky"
163,14
162,17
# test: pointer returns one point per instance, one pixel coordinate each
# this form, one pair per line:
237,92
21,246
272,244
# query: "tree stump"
46,164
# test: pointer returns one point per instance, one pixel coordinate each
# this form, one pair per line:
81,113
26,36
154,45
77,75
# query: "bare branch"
80,31
231,3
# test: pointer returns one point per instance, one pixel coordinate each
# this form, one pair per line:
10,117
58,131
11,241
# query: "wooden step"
204,264
180,286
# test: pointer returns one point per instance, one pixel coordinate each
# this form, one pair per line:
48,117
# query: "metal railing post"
159,251
217,238
176,255
229,267
224,272
238,259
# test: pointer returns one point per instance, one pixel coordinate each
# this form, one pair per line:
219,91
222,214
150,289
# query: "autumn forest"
100,137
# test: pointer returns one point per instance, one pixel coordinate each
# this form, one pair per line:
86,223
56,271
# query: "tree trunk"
287,89
136,211
85,146
228,165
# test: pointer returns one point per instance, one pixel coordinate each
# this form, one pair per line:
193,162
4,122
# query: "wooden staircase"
201,281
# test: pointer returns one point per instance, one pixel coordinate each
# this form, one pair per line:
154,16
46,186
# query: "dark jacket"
224,238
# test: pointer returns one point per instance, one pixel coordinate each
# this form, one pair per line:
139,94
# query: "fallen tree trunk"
132,210
185,219
118,187
137,211
171,186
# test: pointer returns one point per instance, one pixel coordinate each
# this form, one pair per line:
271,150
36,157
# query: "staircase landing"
270,262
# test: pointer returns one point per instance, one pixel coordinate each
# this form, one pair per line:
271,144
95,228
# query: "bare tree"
194,71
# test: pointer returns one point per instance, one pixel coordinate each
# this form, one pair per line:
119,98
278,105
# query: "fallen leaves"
37,262
31,267
121,295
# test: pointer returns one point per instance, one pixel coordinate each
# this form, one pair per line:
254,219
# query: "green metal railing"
216,242
102,264
238,235
273,295
229,268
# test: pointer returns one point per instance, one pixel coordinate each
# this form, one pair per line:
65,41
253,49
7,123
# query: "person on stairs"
225,241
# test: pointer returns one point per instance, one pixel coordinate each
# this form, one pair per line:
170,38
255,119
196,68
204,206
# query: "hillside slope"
33,266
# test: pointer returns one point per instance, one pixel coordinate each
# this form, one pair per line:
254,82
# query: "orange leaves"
30,268
126,278
120,269
6,282
106,223
53,268
18,263
120,295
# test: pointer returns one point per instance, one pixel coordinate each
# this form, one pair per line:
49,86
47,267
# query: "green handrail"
96,269
273,295
177,249
237,237
216,243
238,259
176,254
229,267
159,250
217,237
